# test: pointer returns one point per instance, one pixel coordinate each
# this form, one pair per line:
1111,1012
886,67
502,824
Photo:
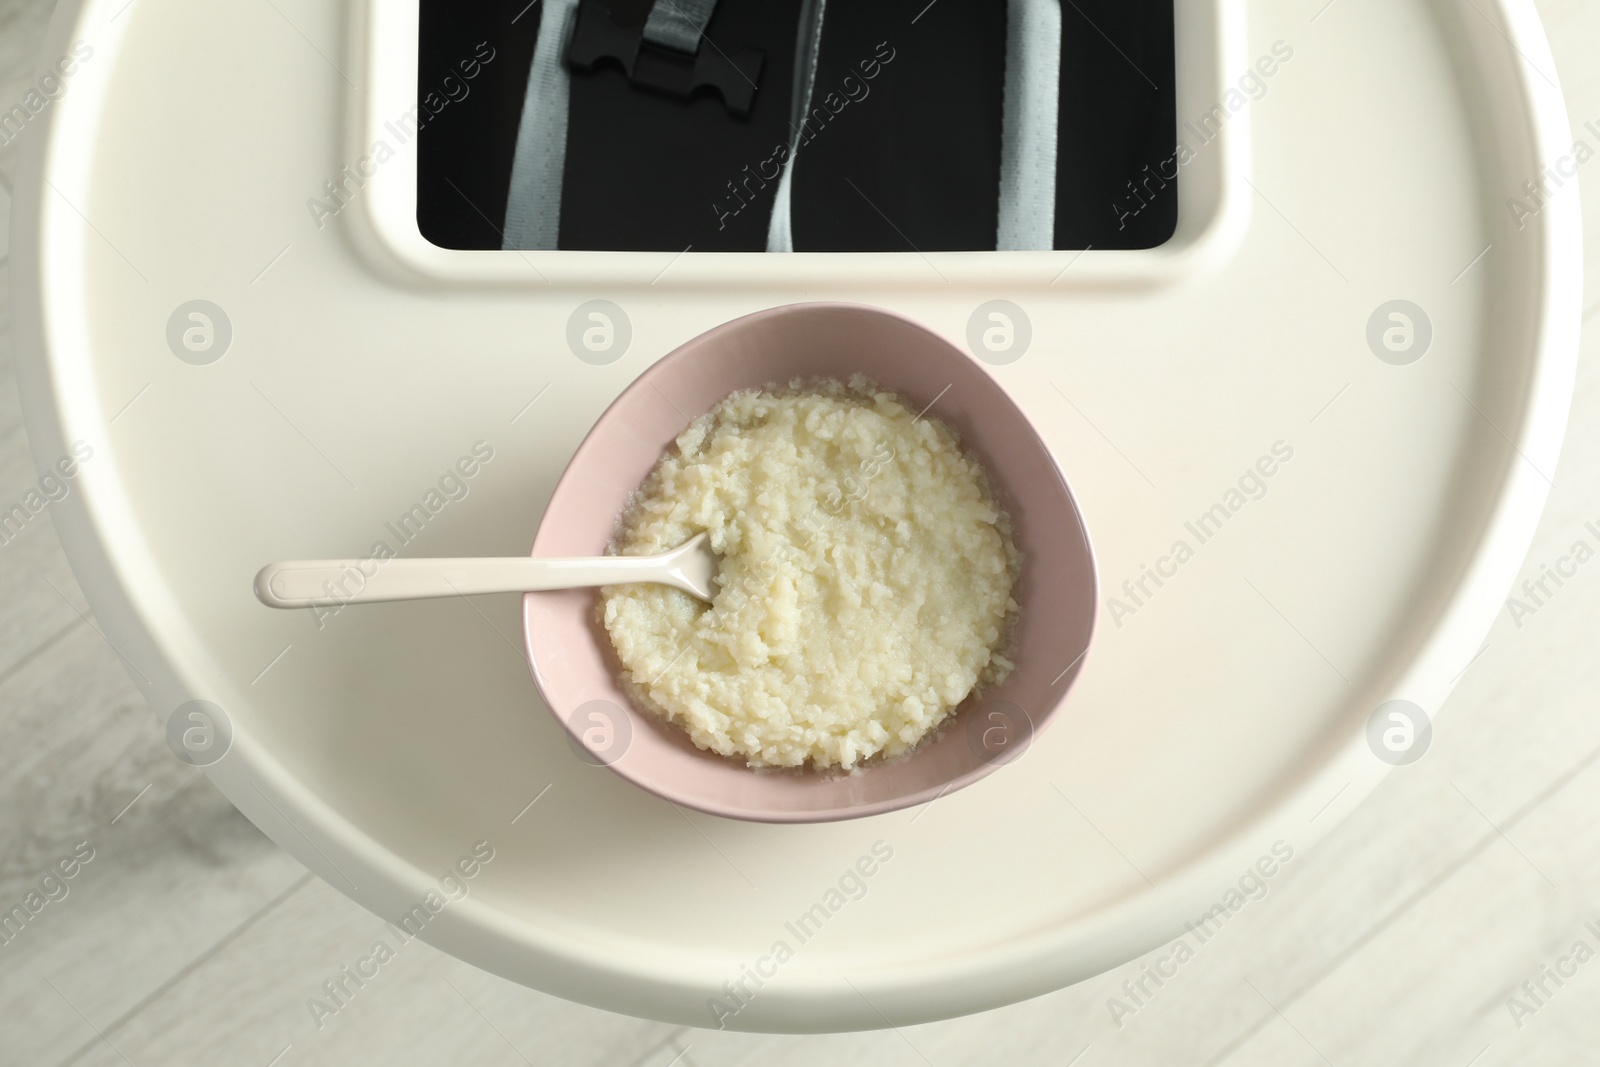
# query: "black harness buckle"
597,38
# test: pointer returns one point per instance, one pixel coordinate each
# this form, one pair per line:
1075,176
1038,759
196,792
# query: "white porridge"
865,581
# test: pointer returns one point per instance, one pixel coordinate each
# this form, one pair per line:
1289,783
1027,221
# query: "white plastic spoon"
321,582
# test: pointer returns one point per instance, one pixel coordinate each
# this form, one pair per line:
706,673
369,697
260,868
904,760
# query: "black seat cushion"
903,149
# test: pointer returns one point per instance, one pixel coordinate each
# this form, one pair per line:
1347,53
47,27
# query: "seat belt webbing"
678,24
1027,219
533,204
808,42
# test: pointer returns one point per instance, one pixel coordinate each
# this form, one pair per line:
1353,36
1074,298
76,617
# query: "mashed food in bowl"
865,587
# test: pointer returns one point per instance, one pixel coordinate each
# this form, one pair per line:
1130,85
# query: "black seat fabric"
902,151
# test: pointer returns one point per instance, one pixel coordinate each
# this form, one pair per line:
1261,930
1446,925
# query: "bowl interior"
570,653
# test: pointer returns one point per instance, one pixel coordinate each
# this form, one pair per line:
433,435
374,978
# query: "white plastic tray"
1225,714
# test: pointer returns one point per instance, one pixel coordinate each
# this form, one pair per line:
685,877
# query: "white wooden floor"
189,938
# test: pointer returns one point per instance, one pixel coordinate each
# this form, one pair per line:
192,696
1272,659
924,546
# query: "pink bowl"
571,656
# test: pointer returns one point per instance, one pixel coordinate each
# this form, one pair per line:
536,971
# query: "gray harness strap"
780,230
1028,132
678,24
533,204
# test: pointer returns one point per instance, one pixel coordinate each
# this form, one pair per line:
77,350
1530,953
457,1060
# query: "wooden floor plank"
171,875
22,29
10,400
251,1000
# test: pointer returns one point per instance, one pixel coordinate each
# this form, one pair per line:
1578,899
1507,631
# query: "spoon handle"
326,582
